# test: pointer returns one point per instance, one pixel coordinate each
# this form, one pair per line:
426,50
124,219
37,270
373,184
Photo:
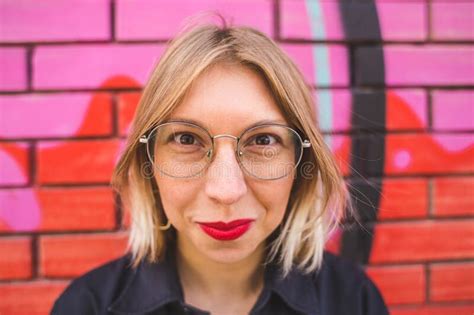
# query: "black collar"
154,285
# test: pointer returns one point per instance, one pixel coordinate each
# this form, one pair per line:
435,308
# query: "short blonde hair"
319,195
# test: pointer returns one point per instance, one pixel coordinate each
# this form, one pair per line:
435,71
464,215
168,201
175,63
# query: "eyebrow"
255,124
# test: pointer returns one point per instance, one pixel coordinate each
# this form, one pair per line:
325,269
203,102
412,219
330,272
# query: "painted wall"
394,83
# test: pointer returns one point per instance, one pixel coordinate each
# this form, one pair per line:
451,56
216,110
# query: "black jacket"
339,288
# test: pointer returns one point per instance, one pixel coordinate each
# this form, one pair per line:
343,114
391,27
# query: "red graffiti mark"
422,152
412,153
62,161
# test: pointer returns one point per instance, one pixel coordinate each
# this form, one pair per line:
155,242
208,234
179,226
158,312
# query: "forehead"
228,99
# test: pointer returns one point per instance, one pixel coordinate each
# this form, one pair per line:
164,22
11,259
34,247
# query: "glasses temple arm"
143,139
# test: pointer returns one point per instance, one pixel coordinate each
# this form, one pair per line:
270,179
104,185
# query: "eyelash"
172,138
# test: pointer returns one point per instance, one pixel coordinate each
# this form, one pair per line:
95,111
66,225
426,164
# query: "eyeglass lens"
183,150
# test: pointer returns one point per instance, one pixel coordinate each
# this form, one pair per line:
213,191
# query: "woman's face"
225,100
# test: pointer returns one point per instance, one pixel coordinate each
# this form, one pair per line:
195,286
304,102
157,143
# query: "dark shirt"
338,288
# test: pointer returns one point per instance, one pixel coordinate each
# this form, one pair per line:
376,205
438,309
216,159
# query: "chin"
219,251
229,255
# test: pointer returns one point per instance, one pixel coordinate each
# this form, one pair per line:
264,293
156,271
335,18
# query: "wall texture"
394,81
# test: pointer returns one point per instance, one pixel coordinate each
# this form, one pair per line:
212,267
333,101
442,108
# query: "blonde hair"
319,195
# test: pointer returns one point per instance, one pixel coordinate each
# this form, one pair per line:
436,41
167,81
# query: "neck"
201,276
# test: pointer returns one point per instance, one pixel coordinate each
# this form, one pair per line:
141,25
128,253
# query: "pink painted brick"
402,20
452,20
54,20
429,65
13,68
336,64
93,66
337,104
299,21
21,211
61,115
151,19
453,110
397,20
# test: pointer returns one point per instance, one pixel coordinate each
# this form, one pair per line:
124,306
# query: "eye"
263,140
185,139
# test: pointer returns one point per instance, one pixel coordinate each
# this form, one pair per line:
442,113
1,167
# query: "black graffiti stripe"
362,30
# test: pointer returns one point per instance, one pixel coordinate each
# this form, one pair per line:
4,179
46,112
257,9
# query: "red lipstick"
226,231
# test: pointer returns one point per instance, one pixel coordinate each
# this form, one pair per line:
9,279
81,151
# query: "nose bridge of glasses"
225,136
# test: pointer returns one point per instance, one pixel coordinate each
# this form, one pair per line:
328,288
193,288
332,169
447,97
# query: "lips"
226,231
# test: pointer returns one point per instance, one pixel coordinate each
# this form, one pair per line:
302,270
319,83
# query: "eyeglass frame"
146,137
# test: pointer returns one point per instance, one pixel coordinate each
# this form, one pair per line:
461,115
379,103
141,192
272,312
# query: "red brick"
433,310
13,64
54,20
76,161
452,282
127,104
62,114
452,20
77,209
29,298
407,109
423,241
126,217
14,159
134,18
428,154
72,255
94,66
57,209
403,198
453,196
414,154
15,260
400,284
341,148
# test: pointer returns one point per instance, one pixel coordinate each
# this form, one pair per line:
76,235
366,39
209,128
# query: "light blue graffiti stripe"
322,72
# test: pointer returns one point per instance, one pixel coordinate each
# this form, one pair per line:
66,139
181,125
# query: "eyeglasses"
183,150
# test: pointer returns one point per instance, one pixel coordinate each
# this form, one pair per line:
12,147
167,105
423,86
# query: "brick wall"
71,74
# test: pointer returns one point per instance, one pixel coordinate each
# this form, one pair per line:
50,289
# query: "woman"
232,193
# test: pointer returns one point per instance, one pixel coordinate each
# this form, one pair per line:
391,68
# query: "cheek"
274,197
175,196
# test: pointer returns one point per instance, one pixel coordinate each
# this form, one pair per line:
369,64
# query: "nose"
225,182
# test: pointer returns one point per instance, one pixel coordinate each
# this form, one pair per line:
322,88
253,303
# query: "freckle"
402,159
